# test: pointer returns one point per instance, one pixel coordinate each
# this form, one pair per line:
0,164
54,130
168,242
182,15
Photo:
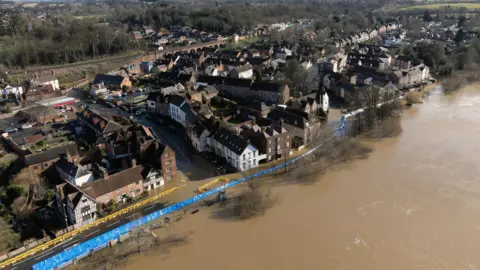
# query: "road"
84,236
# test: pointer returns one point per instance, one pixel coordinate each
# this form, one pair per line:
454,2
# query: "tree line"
64,35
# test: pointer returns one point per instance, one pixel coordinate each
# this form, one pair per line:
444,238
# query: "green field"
437,6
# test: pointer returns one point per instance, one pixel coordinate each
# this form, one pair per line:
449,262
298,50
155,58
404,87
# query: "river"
413,204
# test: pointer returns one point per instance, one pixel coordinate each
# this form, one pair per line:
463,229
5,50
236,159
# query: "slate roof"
177,100
108,79
153,96
267,86
70,168
113,182
51,154
231,140
210,80
238,82
288,117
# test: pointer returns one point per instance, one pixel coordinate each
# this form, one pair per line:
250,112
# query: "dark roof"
238,82
177,100
182,78
257,60
211,80
108,79
70,168
171,76
267,86
231,140
51,154
403,58
153,96
288,117
115,181
74,194
97,121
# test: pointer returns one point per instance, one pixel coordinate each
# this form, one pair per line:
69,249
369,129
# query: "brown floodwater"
413,204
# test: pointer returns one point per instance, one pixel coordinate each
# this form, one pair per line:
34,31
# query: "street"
84,236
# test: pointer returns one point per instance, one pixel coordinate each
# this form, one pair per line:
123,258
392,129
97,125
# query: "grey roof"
51,154
177,100
70,168
108,79
288,117
267,86
231,140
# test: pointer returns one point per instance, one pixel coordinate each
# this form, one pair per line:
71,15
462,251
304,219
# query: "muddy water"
414,204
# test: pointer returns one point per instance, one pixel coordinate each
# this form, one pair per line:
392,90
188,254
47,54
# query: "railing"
67,235
85,248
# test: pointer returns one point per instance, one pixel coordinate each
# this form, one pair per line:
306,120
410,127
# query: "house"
411,76
44,81
39,162
71,203
401,62
95,125
199,137
138,144
99,89
211,70
16,90
243,72
137,35
301,126
313,104
208,92
175,110
72,172
236,87
273,140
270,92
113,81
237,151
38,93
146,67
157,103
39,114
119,186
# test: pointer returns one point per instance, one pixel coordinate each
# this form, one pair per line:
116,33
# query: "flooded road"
414,204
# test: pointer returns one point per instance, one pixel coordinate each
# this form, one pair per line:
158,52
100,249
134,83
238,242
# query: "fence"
85,248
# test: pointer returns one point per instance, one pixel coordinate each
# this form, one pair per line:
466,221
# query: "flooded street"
414,204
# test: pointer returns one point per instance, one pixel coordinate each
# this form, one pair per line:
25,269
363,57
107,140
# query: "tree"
9,239
427,17
459,37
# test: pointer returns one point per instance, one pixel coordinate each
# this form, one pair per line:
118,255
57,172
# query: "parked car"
26,126
11,129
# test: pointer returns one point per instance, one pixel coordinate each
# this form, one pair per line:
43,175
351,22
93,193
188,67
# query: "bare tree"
8,238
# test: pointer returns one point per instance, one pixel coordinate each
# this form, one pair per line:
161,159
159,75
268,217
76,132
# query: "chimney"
104,172
134,163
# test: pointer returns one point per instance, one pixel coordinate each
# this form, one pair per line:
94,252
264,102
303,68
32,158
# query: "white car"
11,129
26,126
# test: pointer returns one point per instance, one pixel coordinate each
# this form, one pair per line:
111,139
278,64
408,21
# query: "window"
84,200
288,144
35,167
85,209
158,183
244,157
244,165
45,164
269,150
137,191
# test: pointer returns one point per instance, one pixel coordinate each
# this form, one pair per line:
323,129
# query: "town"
205,105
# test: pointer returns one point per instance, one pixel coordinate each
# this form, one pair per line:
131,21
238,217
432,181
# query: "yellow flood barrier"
207,186
67,235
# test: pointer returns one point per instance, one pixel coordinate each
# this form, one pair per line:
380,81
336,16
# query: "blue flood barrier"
100,241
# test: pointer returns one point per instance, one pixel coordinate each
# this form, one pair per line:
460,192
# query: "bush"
15,191
50,195
8,108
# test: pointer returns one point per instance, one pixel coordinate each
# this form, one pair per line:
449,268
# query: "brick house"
38,163
271,92
274,140
113,81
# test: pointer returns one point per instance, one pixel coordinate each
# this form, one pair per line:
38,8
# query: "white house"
76,174
211,70
98,89
238,152
152,180
13,90
200,138
45,80
175,109
242,72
